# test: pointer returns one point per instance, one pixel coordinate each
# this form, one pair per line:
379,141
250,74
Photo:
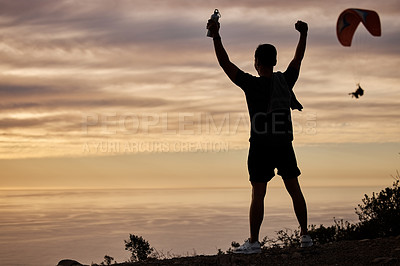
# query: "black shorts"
264,158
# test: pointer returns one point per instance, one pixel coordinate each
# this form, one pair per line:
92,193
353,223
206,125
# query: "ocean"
41,227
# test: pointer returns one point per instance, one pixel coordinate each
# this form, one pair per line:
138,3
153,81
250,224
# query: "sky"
125,93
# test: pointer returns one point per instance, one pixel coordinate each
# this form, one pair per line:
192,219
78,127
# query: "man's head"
265,56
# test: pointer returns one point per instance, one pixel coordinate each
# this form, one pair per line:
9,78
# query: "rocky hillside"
381,251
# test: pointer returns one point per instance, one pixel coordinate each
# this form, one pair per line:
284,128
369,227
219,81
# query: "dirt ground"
382,251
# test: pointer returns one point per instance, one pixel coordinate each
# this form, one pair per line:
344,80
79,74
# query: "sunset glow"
89,80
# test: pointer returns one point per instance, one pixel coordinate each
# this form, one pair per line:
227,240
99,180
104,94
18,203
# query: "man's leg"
299,204
256,215
256,209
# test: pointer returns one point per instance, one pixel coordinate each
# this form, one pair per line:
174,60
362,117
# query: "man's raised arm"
229,68
301,27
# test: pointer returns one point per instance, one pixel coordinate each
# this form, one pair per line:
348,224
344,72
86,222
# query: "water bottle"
214,17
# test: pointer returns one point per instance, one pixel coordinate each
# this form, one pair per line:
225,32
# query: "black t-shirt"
268,126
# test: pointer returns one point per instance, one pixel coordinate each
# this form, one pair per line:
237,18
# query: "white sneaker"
306,241
248,248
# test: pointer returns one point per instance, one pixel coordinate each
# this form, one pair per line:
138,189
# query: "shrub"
341,230
288,238
379,215
139,248
107,260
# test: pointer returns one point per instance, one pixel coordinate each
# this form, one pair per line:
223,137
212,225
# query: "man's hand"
301,27
213,27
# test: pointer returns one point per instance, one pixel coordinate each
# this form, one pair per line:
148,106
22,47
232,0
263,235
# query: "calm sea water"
41,227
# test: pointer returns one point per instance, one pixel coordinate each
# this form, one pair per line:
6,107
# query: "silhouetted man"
269,100
359,92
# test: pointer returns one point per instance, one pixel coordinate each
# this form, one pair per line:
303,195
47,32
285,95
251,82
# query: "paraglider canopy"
350,18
